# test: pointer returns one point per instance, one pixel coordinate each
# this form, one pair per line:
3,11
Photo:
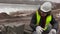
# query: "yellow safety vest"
48,19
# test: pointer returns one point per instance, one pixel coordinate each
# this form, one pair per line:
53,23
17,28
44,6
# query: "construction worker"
42,21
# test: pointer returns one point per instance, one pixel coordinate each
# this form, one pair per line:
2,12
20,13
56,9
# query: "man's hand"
39,30
53,31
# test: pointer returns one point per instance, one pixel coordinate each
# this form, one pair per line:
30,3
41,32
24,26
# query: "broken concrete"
12,28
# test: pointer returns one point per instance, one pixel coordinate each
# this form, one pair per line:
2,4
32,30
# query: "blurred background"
21,11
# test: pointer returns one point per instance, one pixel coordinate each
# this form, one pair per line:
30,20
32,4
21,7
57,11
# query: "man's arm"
54,24
33,22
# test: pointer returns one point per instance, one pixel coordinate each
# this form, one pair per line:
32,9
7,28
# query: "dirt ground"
5,18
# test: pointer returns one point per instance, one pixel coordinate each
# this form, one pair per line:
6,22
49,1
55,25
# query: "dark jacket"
33,25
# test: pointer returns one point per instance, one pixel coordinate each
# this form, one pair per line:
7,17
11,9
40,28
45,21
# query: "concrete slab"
14,28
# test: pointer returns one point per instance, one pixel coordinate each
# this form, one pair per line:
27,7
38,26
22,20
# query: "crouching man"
42,21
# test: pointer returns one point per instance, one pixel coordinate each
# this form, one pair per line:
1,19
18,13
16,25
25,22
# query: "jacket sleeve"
54,24
33,22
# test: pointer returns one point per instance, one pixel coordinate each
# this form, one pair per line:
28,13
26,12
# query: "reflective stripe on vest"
48,19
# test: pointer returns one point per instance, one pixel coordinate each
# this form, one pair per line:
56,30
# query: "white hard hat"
46,7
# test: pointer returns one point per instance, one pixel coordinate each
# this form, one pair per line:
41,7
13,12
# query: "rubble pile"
12,28
4,15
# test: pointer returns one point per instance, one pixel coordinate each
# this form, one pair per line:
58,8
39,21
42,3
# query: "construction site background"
24,16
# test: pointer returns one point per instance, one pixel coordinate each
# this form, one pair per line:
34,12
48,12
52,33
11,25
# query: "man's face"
43,13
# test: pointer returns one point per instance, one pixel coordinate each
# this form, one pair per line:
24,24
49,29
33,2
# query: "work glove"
39,30
53,31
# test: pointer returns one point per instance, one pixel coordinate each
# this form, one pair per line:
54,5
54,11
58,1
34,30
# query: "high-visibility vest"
48,20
